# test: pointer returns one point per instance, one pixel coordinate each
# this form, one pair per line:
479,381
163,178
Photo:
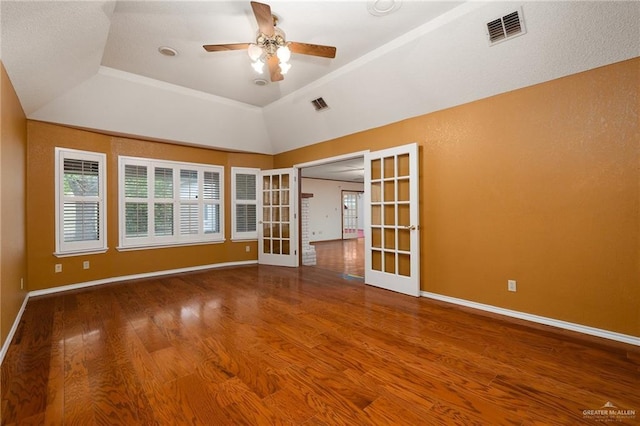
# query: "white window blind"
211,200
80,210
244,203
163,204
136,206
168,203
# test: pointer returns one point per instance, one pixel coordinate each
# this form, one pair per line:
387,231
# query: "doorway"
334,196
352,215
391,201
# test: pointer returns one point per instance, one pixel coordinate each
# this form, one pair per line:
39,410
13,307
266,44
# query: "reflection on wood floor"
263,345
342,256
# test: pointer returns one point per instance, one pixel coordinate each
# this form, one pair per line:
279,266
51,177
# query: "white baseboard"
138,276
592,331
7,342
14,328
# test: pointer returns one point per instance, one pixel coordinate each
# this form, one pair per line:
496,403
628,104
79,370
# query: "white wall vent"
319,104
506,27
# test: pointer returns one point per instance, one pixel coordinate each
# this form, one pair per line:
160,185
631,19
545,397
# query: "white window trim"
243,236
62,248
176,239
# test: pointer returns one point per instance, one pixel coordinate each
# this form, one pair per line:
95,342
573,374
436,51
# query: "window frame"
249,235
175,239
74,248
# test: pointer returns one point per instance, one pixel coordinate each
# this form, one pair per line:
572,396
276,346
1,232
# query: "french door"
392,233
349,215
277,218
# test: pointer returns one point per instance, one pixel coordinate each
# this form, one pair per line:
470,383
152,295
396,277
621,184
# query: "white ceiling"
351,170
186,26
95,64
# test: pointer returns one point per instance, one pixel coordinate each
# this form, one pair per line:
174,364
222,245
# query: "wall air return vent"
505,28
319,104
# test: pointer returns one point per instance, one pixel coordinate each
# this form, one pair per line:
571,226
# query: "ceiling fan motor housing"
270,44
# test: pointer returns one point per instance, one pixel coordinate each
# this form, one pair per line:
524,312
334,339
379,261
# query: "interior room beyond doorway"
334,220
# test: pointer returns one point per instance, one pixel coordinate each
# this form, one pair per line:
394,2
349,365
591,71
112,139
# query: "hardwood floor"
267,345
343,256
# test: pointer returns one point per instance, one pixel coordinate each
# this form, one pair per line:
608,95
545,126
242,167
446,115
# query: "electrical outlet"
511,285
58,268
85,264
247,249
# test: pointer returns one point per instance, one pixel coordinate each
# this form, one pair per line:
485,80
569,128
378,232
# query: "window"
168,203
244,203
80,203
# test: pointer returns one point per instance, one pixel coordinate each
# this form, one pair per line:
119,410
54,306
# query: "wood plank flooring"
344,256
262,345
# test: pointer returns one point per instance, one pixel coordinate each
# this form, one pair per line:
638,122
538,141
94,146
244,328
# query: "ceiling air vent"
504,28
319,104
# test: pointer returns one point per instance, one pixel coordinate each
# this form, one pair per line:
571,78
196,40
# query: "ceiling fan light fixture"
283,53
255,52
284,67
271,44
258,66
279,36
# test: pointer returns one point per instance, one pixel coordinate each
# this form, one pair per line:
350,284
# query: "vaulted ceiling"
96,65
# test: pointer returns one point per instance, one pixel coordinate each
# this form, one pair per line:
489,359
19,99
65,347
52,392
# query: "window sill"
244,240
80,253
161,246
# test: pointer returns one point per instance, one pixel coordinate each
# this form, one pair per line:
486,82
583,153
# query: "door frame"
327,160
350,191
334,159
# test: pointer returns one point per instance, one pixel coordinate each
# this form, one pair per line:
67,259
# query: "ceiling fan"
271,46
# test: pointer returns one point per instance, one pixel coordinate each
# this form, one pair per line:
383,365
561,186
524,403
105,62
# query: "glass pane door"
392,243
277,220
349,214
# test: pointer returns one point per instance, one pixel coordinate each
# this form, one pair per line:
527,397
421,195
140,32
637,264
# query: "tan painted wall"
43,138
13,252
540,185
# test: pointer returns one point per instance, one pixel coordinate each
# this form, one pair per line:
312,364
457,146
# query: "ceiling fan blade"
274,69
312,49
225,47
264,17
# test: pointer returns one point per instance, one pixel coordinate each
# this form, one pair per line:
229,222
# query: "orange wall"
540,185
43,138
13,252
